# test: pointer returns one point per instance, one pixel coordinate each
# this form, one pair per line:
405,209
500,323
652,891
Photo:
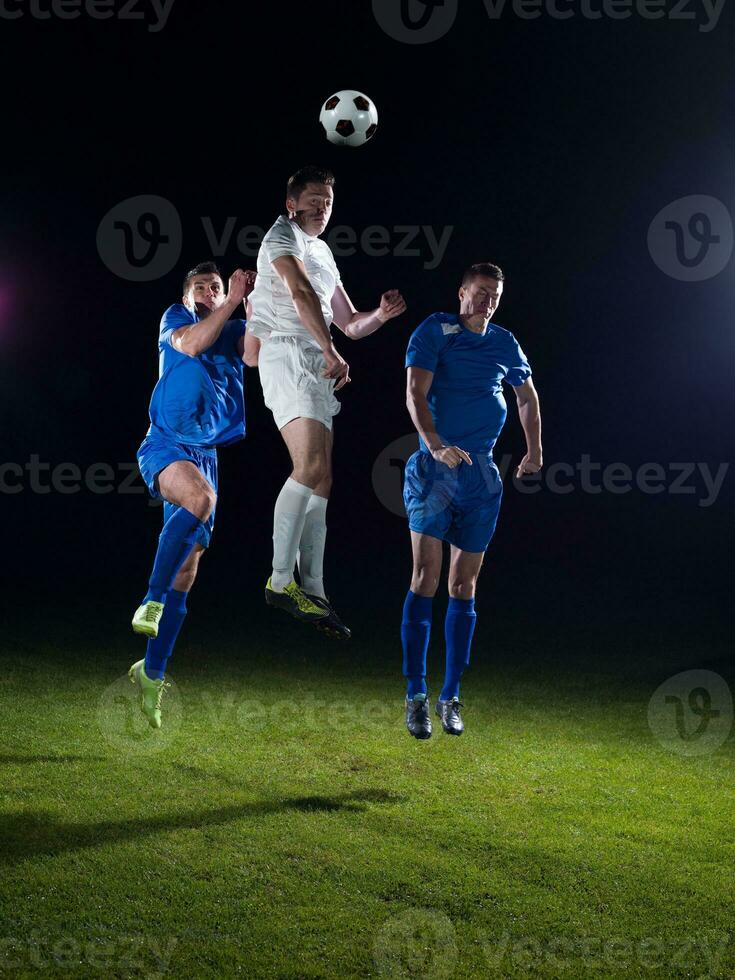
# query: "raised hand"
236,290
392,304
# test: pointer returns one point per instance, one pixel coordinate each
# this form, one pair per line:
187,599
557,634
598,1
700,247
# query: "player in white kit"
297,296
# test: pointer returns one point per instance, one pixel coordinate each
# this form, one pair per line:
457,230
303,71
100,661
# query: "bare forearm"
422,418
200,336
310,313
363,324
530,416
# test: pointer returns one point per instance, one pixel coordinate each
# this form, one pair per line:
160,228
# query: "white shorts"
291,378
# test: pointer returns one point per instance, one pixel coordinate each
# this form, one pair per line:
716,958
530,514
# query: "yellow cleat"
146,619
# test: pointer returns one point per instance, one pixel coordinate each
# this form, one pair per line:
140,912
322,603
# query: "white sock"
288,523
311,547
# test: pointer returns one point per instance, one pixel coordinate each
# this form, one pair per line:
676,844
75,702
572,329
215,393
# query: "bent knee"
202,504
425,580
462,588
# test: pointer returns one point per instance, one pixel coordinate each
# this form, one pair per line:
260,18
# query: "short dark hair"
488,269
203,269
308,175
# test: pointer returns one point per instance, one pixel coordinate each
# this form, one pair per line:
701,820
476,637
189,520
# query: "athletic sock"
176,540
458,629
288,523
415,633
160,649
311,546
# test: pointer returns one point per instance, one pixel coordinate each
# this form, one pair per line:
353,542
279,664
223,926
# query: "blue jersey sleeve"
175,316
425,345
518,370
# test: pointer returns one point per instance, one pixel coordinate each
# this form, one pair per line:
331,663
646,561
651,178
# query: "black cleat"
294,601
448,711
331,624
418,719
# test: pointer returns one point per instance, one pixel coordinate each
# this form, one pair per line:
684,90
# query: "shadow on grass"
29,835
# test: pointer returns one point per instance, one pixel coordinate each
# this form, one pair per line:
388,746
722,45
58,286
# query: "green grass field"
283,824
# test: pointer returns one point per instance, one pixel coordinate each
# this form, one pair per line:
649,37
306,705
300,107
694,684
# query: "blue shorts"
459,505
157,452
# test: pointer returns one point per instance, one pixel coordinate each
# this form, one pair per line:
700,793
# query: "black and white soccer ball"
349,118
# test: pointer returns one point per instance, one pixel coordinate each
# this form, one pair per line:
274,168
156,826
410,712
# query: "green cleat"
146,619
295,601
152,692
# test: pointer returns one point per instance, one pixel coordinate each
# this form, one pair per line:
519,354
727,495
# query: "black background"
548,146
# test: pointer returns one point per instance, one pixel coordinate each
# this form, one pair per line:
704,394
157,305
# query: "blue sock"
415,633
160,649
458,629
176,541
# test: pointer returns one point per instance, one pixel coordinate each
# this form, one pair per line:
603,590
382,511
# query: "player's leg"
306,440
416,629
459,627
311,551
149,673
183,485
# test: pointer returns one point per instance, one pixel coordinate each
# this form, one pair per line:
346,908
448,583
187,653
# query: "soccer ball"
349,118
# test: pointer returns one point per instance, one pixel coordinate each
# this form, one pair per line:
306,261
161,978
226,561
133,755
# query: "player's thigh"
306,440
427,560
183,484
464,570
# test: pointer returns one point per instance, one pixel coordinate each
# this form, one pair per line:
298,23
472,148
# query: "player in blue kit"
197,405
457,364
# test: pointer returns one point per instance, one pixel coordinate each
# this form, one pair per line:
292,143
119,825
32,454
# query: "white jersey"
273,309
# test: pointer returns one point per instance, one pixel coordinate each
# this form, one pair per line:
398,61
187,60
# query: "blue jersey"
466,396
199,400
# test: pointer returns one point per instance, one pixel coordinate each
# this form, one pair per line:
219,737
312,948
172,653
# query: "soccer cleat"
294,600
331,625
147,617
448,711
418,719
152,693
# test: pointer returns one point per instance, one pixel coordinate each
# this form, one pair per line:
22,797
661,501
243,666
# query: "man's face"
480,297
312,208
205,294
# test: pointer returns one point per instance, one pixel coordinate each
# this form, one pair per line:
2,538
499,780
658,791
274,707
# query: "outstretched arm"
419,384
357,325
529,412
